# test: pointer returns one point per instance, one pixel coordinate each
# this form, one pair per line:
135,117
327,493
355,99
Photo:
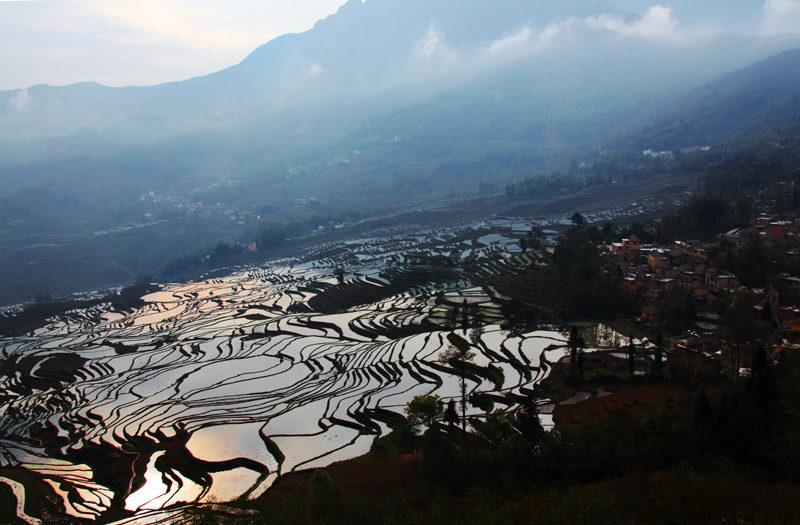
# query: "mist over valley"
380,105
421,233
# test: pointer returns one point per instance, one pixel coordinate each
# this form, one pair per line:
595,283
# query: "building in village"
651,273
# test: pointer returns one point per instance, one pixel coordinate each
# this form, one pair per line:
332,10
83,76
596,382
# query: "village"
723,319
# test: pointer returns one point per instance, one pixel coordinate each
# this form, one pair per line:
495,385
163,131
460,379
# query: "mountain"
386,104
758,102
362,50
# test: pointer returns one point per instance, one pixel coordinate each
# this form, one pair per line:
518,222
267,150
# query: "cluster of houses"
651,272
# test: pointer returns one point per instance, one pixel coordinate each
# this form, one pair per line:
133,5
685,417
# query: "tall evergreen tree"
658,356
573,344
457,355
631,356
451,414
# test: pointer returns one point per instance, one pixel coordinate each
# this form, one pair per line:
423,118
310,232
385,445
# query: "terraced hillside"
214,389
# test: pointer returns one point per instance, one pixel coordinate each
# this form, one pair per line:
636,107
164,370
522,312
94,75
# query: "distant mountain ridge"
384,105
758,101
360,51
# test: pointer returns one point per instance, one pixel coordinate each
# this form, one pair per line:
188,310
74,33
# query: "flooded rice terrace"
214,389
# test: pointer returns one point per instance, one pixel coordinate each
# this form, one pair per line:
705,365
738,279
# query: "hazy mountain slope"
385,104
362,50
759,101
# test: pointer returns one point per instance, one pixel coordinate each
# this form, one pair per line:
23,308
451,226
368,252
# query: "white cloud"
657,23
430,43
554,30
525,41
781,16
520,39
20,101
316,69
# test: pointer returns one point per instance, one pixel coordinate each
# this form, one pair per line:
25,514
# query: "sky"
147,42
139,42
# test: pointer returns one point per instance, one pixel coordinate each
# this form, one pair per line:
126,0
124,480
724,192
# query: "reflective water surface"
213,389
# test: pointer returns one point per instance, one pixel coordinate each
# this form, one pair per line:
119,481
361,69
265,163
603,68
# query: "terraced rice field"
214,389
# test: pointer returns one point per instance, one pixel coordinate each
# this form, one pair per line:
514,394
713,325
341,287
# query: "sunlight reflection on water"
231,378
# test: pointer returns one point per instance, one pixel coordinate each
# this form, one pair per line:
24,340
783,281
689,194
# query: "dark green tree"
573,344
424,411
529,424
339,274
702,417
457,355
762,384
753,262
578,221
631,356
610,231
740,320
658,355
451,414
536,237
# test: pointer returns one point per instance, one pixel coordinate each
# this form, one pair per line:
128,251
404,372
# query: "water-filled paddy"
213,389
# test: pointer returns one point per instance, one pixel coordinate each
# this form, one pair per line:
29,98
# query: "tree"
424,411
739,318
610,232
536,237
339,274
631,356
475,336
523,243
457,355
762,385
674,310
658,356
753,262
529,424
702,416
578,221
451,414
573,344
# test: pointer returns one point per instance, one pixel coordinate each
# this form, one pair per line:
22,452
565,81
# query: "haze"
295,114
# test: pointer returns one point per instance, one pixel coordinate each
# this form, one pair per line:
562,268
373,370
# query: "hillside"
382,107
760,102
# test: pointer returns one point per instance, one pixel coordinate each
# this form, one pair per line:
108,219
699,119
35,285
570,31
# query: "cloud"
658,23
430,43
520,39
316,69
526,40
20,101
781,16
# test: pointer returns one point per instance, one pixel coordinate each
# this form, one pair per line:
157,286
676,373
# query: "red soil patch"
360,475
635,398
